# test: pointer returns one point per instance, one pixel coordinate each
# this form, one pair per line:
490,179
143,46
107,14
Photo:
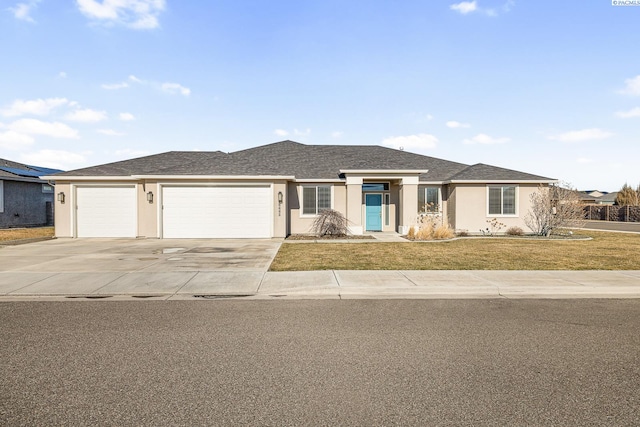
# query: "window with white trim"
502,200
429,199
315,199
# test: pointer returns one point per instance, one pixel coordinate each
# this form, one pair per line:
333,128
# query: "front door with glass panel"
373,212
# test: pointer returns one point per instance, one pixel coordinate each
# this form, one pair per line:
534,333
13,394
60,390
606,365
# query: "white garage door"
216,212
106,211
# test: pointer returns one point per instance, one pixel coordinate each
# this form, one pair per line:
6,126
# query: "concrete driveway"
108,266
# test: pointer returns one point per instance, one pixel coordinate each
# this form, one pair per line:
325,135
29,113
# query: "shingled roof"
289,158
10,170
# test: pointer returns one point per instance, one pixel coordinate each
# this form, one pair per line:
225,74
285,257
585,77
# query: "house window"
315,199
383,186
47,188
387,208
428,199
502,200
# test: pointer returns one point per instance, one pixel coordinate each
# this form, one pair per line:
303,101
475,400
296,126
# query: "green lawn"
606,251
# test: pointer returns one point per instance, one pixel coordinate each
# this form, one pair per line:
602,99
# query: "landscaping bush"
515,231
330,222
443,231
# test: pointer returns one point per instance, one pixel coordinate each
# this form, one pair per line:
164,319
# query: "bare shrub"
443,231
411,234
330,222
424,233
552,208
515,231
462,233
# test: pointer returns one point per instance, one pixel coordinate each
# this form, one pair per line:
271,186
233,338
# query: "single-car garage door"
106,211
216,212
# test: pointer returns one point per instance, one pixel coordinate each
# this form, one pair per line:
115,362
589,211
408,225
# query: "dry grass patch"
607,251
25,233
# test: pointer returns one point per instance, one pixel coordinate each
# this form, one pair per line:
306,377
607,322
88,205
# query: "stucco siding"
471,213
301,224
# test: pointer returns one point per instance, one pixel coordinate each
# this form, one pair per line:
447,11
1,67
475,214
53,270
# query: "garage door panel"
106,212
216,212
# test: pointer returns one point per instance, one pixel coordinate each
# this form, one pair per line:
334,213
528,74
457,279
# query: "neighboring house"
595,197
25,199
608,198
278,189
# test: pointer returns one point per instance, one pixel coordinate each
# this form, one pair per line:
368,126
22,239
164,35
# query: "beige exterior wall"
301,224
471,212
451,206
408,207
148,212
280,209
62,211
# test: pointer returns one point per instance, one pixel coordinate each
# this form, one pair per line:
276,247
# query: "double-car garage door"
216,212
186,211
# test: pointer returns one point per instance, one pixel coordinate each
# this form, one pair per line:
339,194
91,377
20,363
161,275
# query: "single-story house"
25,199
278,189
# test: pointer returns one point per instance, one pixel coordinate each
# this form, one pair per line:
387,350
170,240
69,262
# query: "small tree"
554,207
330,222
627,196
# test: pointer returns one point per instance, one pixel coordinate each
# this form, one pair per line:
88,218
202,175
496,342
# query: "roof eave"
501,181
385,171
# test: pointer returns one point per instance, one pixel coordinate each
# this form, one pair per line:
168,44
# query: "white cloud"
634,112
38,107
632,86
482,138
12,140
453,124
86,116
429,117
126,117
337,134
62,75
23,11
411,142
464,7
281,132
584,160
57,159
110,132
581,135
136,14
114,86
135,79
38,127
175,88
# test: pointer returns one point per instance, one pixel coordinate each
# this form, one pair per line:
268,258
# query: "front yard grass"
9,234
606,251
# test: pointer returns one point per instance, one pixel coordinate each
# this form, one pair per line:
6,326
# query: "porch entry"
373,212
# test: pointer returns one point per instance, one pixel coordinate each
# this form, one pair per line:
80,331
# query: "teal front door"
373,212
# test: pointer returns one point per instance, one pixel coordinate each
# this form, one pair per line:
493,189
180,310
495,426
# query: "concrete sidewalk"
338,284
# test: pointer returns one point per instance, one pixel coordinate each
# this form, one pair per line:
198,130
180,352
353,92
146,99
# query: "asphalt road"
363,362
633,227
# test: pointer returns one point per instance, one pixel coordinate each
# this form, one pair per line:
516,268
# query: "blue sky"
547,87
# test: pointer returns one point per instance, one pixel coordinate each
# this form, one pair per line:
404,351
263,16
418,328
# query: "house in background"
596,197
25,199
278,189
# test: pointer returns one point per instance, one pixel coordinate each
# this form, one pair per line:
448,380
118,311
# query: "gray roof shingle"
289,158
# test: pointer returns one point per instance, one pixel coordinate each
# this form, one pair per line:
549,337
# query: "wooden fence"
612,213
